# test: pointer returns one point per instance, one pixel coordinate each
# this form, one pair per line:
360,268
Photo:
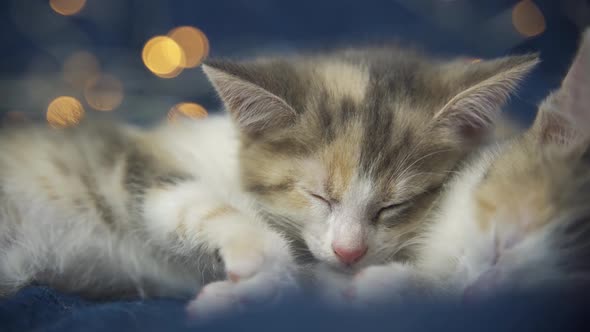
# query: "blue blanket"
42,309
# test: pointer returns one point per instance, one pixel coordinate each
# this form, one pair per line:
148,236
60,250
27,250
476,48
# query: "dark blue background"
35,40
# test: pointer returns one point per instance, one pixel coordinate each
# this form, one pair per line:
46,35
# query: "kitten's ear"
564,117
483,89
244,89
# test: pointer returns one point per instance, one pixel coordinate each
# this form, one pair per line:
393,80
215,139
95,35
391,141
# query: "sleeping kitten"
517,217
349,156
345,152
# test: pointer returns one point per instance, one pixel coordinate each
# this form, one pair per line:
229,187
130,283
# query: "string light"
193,42
528,19
67,7
187,110
64,112
163,57
104,93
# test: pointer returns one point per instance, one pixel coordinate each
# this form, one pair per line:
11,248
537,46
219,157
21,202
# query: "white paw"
225,297
214,299
382,284
243,261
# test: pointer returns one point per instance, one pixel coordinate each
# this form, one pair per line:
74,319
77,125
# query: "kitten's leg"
259,268
193,221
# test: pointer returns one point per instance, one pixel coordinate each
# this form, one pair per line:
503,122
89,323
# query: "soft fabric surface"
41,309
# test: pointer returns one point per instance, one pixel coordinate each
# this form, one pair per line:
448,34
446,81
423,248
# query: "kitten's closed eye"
396,208
322,199
391,208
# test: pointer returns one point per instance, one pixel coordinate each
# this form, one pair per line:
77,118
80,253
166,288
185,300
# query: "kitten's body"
516,217
345,152
74,205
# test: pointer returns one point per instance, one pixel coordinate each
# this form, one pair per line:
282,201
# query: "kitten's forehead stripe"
368,109
344,79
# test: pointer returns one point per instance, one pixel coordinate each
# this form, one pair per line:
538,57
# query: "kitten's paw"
215,299
226,297
266,288
243,264
381,284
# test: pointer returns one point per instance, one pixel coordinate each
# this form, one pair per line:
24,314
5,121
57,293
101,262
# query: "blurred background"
67,61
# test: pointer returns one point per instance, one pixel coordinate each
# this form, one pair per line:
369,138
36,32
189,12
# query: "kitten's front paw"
225,297
381,284
214,299
243,261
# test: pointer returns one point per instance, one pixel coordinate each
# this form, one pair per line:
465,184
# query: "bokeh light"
187,110
67,7
193,42
528,19
80,68
163,57
64,112
104,93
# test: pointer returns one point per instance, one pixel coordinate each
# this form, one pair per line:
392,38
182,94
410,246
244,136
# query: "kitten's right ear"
244,89
480,91
564,116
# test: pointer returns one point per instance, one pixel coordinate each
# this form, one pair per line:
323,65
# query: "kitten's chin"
340,267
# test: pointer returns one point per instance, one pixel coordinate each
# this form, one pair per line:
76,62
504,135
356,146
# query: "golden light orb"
163,57
528,19
104,93
187,110
64,112
80,68
193,42
67,7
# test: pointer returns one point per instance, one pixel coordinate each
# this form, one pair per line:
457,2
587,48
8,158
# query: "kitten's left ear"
252,95
483,89
564,116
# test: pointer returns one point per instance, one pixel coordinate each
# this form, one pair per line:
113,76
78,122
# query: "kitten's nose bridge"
349,255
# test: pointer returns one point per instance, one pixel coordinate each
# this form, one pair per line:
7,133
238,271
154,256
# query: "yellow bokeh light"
104,93
64,112
476,60
81,68
193,42
163,57
187,110
528,19
67,7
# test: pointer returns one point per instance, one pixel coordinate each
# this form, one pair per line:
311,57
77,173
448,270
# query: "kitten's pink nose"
349,255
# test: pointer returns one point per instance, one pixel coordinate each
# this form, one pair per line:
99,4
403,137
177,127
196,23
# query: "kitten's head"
539,185
352,147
